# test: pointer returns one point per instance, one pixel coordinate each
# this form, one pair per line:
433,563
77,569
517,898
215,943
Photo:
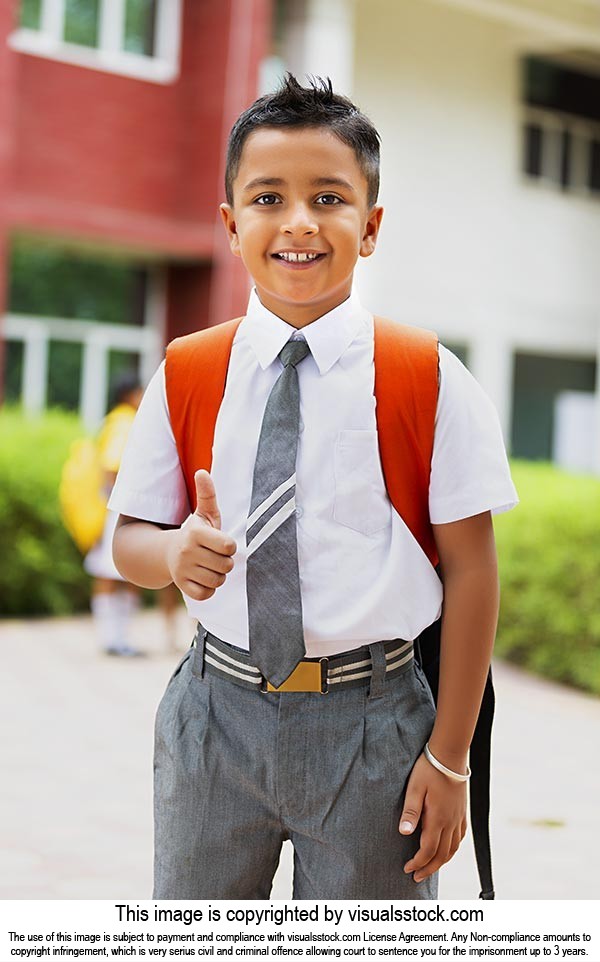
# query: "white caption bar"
346,930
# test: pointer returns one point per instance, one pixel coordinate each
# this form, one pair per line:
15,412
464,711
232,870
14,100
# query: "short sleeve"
150,484
469,470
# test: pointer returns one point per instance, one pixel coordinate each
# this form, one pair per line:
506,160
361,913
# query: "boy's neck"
301,315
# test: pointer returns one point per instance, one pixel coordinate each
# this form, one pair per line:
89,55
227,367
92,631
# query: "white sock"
108,619
130,603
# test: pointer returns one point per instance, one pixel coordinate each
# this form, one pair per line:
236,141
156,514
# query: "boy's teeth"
292,256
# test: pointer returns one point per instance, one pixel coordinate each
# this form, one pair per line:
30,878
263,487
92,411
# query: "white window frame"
97,340
108,56
552,124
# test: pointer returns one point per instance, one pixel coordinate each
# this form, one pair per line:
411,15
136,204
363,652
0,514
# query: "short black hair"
124,384
293,105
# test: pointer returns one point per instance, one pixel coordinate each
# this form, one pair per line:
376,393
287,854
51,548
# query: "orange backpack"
406,392
406,387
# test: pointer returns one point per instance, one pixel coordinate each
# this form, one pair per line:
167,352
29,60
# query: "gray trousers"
237,772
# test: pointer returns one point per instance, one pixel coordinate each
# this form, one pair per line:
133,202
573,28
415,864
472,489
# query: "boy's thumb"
206,499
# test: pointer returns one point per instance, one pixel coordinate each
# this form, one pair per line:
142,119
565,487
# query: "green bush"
41,570
549,549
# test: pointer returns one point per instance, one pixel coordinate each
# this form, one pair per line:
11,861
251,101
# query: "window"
13,370
140,26
31,13
75,321
82,22
539,380
561,126
46,280
139,38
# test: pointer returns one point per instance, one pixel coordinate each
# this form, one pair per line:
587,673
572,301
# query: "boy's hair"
293,105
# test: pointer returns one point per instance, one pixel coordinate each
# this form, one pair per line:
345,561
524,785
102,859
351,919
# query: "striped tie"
272,578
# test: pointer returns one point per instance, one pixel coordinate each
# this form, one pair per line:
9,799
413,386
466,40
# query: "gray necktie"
272,579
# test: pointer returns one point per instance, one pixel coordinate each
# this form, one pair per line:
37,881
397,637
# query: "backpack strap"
195,374
427,653
406,390
480,789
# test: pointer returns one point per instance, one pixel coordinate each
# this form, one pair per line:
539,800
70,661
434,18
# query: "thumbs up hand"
199,556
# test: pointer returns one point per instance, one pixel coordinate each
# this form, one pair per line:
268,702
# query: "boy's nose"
299,221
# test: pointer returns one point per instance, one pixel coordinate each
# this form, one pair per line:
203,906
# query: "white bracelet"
442,768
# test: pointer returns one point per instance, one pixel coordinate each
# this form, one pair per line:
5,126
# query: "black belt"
350,669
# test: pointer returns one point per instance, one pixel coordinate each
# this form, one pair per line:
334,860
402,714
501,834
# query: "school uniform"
239,770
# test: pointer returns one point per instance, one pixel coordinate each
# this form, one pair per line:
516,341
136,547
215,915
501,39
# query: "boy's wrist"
453,757
170,538
453,774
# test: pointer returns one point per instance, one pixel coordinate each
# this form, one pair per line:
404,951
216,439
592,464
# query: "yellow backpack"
81,494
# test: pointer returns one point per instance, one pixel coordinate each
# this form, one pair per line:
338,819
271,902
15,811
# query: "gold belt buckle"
306,676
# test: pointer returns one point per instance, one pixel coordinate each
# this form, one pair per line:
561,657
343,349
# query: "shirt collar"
327,337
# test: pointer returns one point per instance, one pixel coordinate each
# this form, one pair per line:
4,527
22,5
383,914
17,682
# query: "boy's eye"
267,200
329,200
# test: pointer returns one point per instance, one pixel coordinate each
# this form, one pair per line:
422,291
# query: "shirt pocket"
360,500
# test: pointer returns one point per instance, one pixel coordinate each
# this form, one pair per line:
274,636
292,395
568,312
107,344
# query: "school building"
489,112
113,119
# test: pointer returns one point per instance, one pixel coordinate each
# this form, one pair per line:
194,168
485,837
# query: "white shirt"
363,576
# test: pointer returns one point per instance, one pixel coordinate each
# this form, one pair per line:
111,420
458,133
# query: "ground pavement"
76,769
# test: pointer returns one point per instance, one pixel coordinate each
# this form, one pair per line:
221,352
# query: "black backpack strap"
480,789
427,652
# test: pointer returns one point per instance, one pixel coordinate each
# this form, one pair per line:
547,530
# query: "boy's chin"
297,306
298,298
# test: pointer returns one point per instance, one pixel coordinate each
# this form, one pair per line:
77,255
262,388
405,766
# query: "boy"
294,557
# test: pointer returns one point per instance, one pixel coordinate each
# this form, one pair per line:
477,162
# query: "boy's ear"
228,219
369,240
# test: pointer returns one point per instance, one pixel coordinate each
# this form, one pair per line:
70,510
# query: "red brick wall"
95,141
7,103
249,37
138,166
92,146
188,298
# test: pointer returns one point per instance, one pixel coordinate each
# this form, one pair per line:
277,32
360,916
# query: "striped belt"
350,669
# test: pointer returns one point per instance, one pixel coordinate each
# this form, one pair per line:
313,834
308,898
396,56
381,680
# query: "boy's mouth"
298,258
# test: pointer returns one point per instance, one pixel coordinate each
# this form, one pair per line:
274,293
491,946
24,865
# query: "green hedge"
549,550
41,570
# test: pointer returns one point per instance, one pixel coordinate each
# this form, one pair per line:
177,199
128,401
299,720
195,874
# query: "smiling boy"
302,261
294,561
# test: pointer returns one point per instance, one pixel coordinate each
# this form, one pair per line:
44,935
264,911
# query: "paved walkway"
76,763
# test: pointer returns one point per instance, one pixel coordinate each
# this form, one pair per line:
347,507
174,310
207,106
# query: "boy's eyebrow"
280,182
264,182
332,182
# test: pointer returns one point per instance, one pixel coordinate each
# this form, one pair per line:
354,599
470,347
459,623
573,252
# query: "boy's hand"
199,553
441,804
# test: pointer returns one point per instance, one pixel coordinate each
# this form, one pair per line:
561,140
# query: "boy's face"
300,219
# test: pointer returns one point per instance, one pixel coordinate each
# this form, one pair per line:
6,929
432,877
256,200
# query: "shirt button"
301,427
299,512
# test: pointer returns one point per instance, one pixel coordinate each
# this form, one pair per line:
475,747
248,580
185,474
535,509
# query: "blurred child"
114,601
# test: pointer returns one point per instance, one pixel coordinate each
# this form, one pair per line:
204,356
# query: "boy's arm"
196,556
470,612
